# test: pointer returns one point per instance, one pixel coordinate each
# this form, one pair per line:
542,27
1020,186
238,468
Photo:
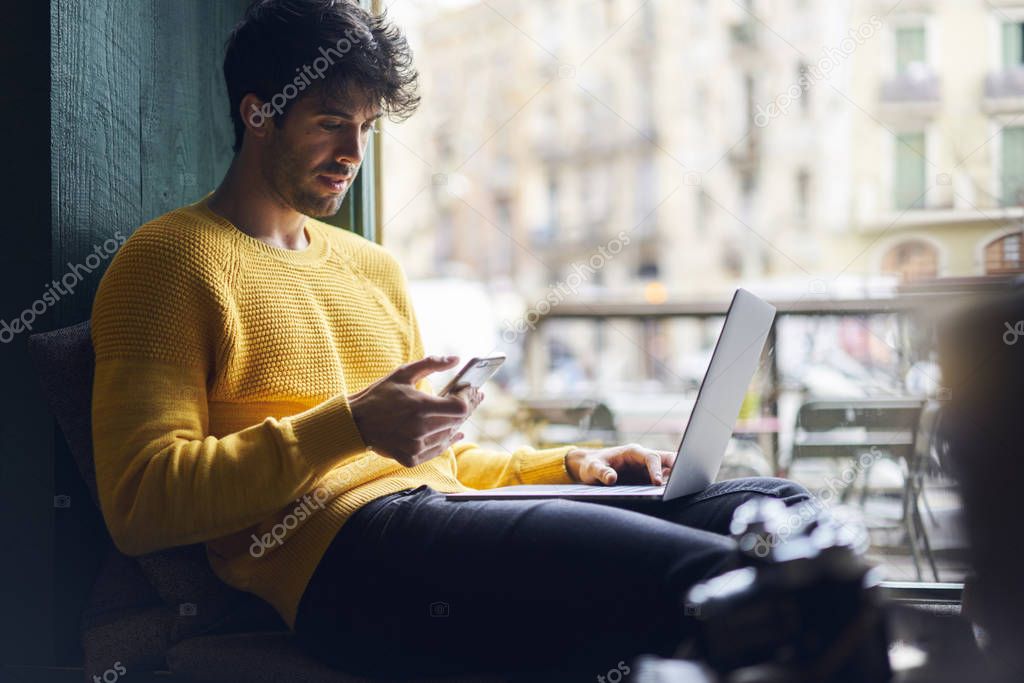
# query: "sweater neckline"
315,252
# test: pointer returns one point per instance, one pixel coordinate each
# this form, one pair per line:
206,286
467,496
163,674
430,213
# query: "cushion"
124,620
65,365
199,601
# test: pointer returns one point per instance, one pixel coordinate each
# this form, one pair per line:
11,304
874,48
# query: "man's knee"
785,490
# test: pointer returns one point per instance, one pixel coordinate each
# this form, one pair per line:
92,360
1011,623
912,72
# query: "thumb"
607,475
413,372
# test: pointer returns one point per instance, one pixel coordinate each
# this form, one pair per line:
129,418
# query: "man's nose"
350,149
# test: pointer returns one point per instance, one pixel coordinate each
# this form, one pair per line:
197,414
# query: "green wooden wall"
123,117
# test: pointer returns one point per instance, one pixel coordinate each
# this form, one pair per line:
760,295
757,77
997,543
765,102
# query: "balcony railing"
913,87
1007,84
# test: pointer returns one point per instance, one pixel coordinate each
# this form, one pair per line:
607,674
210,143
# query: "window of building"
803,75
743,32
910,48
501,259
1003,255
912,260
1012,172
647,270
595,195
803,196
548,227
909,182
444,245
1013,44
749,95
703,213
644,197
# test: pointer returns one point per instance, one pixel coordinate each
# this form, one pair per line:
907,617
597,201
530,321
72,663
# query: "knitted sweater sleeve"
159,325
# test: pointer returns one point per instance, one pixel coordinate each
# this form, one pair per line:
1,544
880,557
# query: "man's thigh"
489,581
712,509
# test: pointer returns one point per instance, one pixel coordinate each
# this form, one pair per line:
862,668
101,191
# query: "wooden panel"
185,119
95,131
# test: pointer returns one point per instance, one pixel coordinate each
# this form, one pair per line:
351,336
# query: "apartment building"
812,148
938,169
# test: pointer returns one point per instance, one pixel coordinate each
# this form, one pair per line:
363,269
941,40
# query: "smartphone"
474,373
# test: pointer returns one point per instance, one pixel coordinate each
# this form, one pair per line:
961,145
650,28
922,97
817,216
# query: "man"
261,387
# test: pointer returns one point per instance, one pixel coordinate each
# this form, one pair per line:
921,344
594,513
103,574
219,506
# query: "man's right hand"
400,422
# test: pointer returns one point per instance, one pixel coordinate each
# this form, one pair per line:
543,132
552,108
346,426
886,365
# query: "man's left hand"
632,463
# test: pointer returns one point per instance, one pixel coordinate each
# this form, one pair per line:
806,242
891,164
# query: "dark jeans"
414,584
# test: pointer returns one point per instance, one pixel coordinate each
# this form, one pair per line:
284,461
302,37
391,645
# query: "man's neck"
244,198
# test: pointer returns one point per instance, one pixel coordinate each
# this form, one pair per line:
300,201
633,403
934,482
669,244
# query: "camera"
803,607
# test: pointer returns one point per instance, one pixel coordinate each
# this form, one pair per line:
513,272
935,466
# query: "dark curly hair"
283,50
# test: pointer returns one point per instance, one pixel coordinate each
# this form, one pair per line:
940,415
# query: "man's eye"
330,126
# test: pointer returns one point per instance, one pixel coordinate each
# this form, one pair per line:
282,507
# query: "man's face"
312,159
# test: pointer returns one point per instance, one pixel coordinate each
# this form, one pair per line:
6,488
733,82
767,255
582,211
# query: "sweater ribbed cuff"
546,467
327,432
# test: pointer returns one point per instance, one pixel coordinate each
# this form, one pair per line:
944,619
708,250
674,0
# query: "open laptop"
708,430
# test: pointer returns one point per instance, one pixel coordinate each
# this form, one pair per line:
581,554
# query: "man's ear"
256,115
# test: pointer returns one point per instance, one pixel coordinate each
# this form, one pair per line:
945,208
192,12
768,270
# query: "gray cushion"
199,601
65,364
124,620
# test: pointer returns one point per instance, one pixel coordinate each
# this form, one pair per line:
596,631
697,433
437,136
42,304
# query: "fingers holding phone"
410,426
471,396
466,384
400,422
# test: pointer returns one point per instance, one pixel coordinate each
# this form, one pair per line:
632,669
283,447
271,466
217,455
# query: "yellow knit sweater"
219,408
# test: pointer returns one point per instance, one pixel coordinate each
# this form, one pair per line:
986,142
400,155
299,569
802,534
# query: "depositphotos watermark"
325,490
1013,333
56,289
833,57
320,66
616,673
112,674
761,546
581,272
277,533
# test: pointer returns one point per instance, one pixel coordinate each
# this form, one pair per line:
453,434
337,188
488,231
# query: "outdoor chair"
901,429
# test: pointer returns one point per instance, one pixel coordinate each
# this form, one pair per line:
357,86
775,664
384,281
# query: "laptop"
699,456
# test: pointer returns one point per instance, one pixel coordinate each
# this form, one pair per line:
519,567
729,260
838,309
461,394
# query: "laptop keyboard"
612,490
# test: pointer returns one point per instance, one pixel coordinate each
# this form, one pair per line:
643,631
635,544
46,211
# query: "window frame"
901,150
361,210
1005,198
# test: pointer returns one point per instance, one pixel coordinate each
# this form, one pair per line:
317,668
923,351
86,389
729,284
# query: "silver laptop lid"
732,367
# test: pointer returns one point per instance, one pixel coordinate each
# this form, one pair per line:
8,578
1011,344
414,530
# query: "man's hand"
634,463
409,426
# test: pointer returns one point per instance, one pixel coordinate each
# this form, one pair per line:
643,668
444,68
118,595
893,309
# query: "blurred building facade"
731,140
651,151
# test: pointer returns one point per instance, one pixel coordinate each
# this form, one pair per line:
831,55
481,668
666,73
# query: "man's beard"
296,186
